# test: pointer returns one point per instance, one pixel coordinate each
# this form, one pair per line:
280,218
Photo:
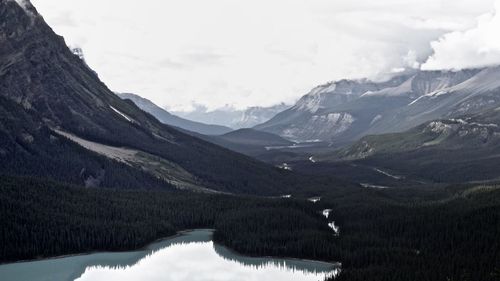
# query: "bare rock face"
396,105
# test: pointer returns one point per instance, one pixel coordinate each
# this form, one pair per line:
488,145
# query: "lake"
190,256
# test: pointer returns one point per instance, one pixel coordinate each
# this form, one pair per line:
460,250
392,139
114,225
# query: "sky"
188,54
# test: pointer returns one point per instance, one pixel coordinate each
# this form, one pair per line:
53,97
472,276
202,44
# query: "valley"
387,180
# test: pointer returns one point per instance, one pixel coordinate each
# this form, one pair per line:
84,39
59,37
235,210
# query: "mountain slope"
248,141
305,121
28,147
344,111
449,150
166,118
476,94
255,115
254,137
54,86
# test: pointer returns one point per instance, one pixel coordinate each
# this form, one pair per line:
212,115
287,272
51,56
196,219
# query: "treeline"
41,219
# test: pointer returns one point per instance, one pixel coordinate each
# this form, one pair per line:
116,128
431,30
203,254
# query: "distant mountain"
257,115
344,111
237,119
59,121
166,118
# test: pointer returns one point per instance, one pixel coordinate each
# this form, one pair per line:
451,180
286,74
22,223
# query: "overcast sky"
242,53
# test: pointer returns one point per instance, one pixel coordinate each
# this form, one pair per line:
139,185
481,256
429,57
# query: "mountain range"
236,119
60,122
246,141
342,112
425,125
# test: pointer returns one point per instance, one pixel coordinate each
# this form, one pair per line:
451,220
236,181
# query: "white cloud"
220,53
475,47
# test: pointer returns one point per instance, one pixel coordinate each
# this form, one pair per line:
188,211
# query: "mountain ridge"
173,120
343,111
55,88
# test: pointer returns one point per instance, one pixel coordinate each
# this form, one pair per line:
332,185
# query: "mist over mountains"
235,119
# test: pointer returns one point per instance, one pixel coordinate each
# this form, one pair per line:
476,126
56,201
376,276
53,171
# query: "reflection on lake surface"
191,256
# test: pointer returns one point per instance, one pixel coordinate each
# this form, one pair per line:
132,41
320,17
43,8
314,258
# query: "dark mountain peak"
67,101
40,72
170,119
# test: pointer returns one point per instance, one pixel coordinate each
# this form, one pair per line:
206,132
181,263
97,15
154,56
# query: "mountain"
237,119
248,141
444,150
172,120
51,90
253,116
254,137
343,111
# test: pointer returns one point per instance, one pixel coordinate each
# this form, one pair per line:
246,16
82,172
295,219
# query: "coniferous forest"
440,234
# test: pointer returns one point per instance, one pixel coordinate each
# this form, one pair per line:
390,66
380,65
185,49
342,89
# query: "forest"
57,198
409,234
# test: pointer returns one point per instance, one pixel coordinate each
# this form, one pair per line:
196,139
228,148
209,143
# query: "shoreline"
178,234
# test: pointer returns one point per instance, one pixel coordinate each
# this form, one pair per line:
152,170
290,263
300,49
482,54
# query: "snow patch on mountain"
375,119
122,115
403,89
369,185
388,174
431,95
